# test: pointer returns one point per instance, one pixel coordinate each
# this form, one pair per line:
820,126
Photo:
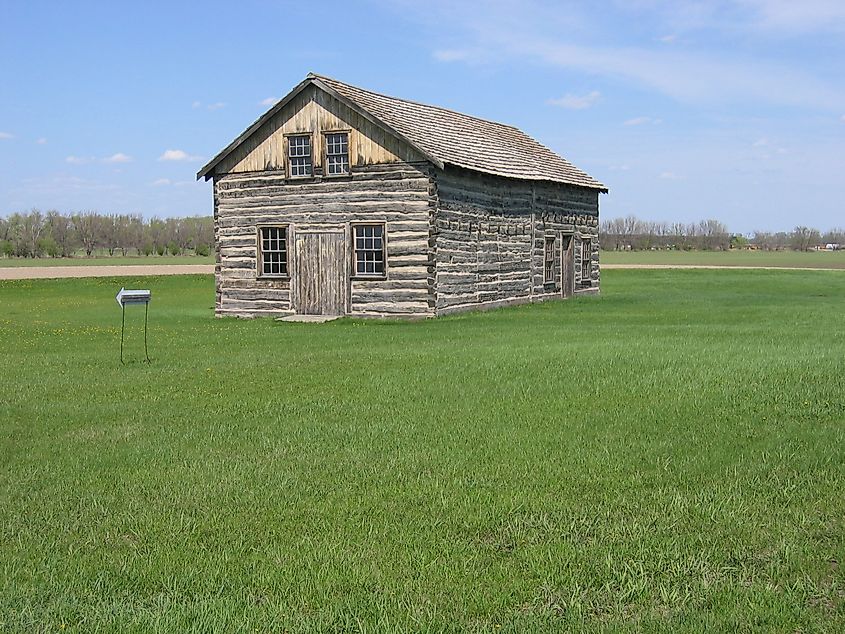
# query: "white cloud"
177,155
761,142
120,157
41,141
576,102
211,106
270,101
642,121
161,182
842,118
668,39
6,135
78,160
790,16
700,77
454,55
669,176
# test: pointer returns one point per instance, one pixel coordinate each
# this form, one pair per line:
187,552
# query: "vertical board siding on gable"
491,237
312,112
396,194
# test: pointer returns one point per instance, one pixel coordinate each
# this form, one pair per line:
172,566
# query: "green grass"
669,456
808,259
106,260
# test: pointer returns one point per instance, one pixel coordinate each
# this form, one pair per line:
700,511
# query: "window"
586,262
549,260
273,251
337,153
299,155
369,250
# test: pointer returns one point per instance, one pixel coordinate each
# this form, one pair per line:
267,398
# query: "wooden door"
320,274
567,266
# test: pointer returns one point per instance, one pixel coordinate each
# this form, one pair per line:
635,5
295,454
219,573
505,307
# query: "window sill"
364,278
272,277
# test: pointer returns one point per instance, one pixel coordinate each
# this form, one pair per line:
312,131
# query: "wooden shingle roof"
444,136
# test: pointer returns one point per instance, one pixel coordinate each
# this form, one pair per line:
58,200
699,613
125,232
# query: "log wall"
400,195
490,239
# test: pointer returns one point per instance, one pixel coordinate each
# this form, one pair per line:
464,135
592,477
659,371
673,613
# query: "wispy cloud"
120,157
703,76
41,141
270,101
458,55
669,176
6,135
576,102
217,105
160,182
804,16
79,160
178,155
642,121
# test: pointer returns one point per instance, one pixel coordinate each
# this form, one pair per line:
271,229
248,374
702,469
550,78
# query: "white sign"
124,297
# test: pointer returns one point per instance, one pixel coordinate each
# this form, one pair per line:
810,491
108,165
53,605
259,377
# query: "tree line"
631,233
53,234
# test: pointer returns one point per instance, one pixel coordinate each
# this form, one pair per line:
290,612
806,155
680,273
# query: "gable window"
299,155
369,250
586,262
549,260
337,153
273,251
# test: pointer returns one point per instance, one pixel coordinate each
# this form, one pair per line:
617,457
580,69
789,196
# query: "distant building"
342,201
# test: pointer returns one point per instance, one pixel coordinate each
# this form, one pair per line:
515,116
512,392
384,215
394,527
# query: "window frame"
325,153
288,171
259,268
549,241
354,251
587,262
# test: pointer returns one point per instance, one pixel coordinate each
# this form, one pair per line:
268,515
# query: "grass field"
669,456
807,259
108,260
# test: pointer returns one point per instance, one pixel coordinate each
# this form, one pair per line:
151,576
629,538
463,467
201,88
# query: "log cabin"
343,201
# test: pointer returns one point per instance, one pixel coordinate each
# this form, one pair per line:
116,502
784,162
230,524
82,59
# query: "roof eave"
207,169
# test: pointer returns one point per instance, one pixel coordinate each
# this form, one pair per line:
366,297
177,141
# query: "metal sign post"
124,297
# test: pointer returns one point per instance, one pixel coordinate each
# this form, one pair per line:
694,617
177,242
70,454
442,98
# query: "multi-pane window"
586,262
337,153
549,260
369,250
299,155
274,250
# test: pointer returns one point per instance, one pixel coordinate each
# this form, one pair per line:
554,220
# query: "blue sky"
730,109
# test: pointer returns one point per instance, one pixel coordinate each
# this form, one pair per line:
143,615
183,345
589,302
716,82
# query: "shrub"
202,250
7,248
49,247
161,249
147,248
173,248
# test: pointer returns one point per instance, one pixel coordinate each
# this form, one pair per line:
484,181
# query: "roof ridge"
416,103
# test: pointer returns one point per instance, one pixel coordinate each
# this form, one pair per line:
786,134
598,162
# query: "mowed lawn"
780,259
669,456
